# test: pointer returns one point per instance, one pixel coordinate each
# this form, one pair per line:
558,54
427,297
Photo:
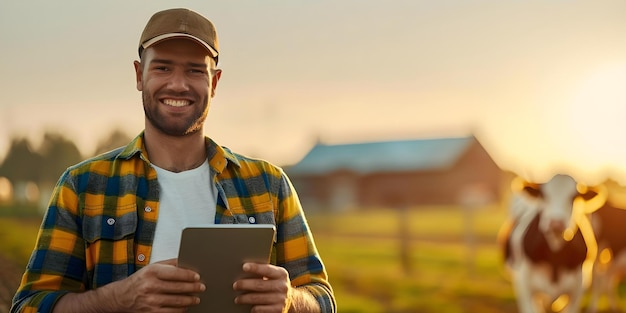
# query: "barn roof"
384,156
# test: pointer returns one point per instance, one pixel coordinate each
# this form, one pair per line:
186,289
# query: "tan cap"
181,23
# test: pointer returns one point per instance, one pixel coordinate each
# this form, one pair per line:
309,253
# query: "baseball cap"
180,23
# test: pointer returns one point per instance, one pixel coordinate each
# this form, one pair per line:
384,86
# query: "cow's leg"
575,294
604,284
574,303
523,290
522,268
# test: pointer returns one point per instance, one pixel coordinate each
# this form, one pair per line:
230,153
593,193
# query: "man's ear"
138,75
217,73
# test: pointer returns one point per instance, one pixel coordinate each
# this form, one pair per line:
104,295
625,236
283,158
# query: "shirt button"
251,219
141,257
148,209
111,221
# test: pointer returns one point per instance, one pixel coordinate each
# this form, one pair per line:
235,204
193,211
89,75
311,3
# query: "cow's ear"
521,185
533,190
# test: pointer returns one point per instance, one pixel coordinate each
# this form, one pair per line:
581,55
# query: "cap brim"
160,38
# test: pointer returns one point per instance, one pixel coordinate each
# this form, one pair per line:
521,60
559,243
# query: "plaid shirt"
100,224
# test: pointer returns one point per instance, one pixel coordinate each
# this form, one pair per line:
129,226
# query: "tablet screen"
218,252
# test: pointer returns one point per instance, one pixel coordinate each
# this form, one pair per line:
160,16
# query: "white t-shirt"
186,199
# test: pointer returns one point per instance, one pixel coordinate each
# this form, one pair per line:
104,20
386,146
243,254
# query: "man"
109,239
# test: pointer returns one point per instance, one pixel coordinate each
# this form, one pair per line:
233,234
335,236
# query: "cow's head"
558,201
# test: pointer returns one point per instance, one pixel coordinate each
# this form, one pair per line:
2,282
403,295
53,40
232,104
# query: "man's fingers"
266,270
274,278
170,287
168,272
271,293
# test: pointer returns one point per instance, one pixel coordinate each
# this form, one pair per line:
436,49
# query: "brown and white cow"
609,224
545,244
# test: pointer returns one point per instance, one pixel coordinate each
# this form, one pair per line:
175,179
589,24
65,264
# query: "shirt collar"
218,156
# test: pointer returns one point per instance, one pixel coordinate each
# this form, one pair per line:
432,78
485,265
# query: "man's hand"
269,293
272,291
158,287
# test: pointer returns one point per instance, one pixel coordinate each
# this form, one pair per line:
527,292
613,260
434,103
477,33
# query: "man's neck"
175,153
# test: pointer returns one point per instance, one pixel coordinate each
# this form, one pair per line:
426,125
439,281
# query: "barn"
427,171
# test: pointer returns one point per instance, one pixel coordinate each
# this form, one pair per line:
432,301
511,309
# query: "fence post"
472,197
405,239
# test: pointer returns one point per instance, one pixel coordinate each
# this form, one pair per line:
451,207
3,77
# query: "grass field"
451,259
446,272
17,238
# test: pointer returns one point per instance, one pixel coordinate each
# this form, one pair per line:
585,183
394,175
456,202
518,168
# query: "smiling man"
110,236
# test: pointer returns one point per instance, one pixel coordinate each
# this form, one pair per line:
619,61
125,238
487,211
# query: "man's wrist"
100,300
108,298
303,301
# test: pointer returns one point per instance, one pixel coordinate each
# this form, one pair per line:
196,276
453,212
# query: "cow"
545,243
609,225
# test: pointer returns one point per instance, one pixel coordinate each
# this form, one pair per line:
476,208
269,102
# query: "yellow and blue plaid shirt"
100,224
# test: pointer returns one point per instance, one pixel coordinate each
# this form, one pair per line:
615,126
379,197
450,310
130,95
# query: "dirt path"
10,275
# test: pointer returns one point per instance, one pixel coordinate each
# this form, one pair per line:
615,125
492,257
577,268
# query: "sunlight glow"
560,303
582,220
31,192
568,234
593,204
595,116
6,189
605,256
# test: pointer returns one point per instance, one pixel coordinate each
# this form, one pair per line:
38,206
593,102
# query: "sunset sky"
542,84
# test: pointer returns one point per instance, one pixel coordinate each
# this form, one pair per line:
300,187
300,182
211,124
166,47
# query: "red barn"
434,171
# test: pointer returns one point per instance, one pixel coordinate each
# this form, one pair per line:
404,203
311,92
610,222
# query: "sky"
541,84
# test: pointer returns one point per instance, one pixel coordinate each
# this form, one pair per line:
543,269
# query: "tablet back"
218,252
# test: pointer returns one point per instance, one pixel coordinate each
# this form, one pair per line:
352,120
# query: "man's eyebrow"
170,62
162,61
192,64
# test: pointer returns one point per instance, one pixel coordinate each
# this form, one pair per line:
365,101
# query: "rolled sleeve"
296,250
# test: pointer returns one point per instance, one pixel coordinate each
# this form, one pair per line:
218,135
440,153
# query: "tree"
117,139
57,153
22,163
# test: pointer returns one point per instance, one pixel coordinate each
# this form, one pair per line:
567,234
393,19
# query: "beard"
173,126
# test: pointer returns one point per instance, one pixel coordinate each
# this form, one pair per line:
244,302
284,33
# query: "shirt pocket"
110,224
109,234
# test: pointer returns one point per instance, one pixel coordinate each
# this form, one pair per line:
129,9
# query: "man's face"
177,85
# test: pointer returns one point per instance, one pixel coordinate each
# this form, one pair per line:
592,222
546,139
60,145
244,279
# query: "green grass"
447,273
17,238
362,252
443,222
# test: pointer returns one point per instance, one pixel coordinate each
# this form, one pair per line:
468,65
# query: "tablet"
218,252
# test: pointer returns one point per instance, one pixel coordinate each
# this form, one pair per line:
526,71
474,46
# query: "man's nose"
178,81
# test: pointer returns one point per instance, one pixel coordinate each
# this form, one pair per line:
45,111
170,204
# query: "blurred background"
401,123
